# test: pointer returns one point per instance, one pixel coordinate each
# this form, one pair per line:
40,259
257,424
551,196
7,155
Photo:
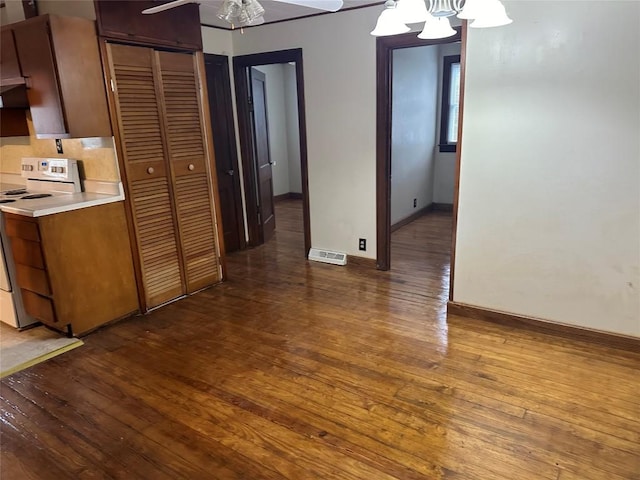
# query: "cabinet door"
188,161
9,67
123,20
144,155
36,58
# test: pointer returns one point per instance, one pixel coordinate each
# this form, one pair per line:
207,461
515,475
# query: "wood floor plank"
296,370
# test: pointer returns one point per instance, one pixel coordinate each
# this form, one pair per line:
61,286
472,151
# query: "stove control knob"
150,170
191,167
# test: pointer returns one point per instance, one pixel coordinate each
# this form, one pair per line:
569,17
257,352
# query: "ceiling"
274,11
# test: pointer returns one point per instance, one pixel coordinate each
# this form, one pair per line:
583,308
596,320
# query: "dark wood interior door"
264,178
224,142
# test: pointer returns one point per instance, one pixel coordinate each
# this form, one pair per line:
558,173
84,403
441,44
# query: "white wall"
445,162
340,91
218,41
12,12
277,123
413,132
71,8
549,214
293,130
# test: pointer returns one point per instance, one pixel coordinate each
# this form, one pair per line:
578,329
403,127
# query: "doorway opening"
271,119
417,156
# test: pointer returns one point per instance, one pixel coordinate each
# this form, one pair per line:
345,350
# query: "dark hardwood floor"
300,370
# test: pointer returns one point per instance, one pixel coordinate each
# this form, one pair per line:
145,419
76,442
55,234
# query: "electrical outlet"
362,244
415,202
59,145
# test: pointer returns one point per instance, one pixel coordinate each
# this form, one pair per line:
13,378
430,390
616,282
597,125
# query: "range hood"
13,94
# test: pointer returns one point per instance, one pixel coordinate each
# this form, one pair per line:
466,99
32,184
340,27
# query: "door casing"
384,69
241,66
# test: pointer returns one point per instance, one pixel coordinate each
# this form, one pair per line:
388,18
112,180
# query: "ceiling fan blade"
166,6
327,5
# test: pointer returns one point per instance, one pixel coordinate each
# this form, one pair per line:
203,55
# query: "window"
450,103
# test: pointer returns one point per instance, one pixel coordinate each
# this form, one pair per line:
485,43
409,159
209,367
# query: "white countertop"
39,207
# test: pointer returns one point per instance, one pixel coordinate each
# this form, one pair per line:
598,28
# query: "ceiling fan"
249,12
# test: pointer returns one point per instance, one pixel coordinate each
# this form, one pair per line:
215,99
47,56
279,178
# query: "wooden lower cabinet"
74,269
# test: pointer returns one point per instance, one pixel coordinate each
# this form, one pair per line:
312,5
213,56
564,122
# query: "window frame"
447,62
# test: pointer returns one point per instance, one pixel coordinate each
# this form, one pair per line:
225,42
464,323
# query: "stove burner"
7,200
20,191
35,195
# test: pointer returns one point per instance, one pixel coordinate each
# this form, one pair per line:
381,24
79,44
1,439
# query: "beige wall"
549,212
339,74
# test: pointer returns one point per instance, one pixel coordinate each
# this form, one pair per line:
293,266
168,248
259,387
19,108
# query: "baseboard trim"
287,196
362,261
621,342
412,218
442,207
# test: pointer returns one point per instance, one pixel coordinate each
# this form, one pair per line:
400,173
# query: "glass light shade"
389,22
442,8
436,27
229,10
412,11
250,11
257,21
492,15
240,12
472,9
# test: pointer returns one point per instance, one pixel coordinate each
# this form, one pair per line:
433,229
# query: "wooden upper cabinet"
123,20
9,66
60,61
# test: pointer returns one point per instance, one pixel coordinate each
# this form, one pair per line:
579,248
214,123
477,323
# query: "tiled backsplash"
97,154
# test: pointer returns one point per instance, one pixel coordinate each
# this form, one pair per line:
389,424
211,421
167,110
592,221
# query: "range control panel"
60,169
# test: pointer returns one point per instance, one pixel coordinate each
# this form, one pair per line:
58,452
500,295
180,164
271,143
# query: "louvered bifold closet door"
187,156
148,178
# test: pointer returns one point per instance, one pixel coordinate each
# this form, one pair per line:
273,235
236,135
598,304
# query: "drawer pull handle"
191,167
150,170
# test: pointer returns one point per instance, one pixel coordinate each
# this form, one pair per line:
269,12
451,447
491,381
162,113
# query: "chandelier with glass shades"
435,14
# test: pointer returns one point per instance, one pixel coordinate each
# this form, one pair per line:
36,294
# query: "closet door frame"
119,149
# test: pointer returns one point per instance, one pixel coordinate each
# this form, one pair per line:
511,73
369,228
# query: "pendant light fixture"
435,15
389,21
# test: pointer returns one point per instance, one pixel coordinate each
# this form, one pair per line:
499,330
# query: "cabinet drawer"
39,307
22,229
33,279
26,252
